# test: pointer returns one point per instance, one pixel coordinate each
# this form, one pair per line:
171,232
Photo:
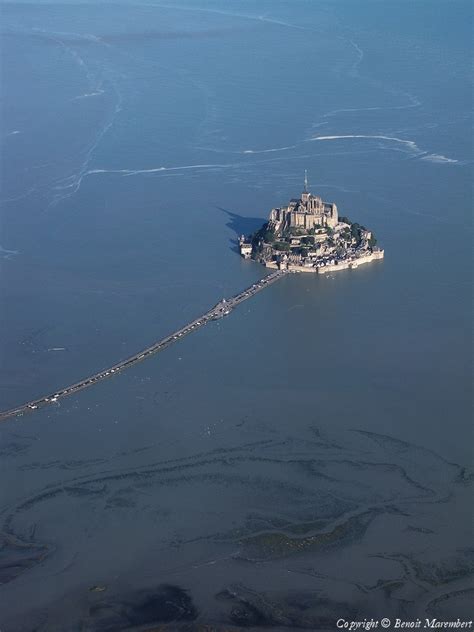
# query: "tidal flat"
306,458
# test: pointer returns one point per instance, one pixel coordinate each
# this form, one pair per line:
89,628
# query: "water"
306,458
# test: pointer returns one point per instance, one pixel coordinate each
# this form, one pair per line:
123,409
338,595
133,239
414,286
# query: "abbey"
308,212
309,236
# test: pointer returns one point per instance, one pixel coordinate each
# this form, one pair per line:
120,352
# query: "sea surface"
307,458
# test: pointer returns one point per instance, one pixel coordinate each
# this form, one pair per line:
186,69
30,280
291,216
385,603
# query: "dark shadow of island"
241,225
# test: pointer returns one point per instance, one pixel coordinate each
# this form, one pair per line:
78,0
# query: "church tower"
305,195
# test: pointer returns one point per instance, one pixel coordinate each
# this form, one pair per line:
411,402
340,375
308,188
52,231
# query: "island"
306,236
309,236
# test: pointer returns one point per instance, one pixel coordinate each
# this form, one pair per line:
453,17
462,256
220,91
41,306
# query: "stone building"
245,248
308,212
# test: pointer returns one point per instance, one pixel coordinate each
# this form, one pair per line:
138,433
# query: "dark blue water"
305,459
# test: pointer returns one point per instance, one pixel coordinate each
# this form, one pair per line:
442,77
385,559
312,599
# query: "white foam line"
88,94
360,56
371,109
75,180
298,27
21,196
412,146
257,18
438,158
267,151
134,172
7,254
414,103
71,184
408,143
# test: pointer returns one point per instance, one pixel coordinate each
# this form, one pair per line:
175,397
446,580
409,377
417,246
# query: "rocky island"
309,236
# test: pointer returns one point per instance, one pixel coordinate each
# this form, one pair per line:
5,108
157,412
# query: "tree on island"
263,234
297,231
282,246
356,230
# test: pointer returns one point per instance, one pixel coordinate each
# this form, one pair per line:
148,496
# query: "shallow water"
304,459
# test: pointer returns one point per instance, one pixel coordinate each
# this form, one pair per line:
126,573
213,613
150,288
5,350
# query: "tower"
305,195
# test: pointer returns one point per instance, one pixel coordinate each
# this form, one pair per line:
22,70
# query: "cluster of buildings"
308,212
308,235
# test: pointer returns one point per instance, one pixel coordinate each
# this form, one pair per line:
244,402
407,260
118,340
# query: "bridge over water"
219,311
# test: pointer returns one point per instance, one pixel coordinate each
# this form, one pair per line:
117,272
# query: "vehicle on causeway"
218,311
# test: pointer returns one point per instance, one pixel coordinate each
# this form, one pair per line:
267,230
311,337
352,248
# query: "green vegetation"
265,234
282,246
356,230
269,236
296,232
276,544
266,243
